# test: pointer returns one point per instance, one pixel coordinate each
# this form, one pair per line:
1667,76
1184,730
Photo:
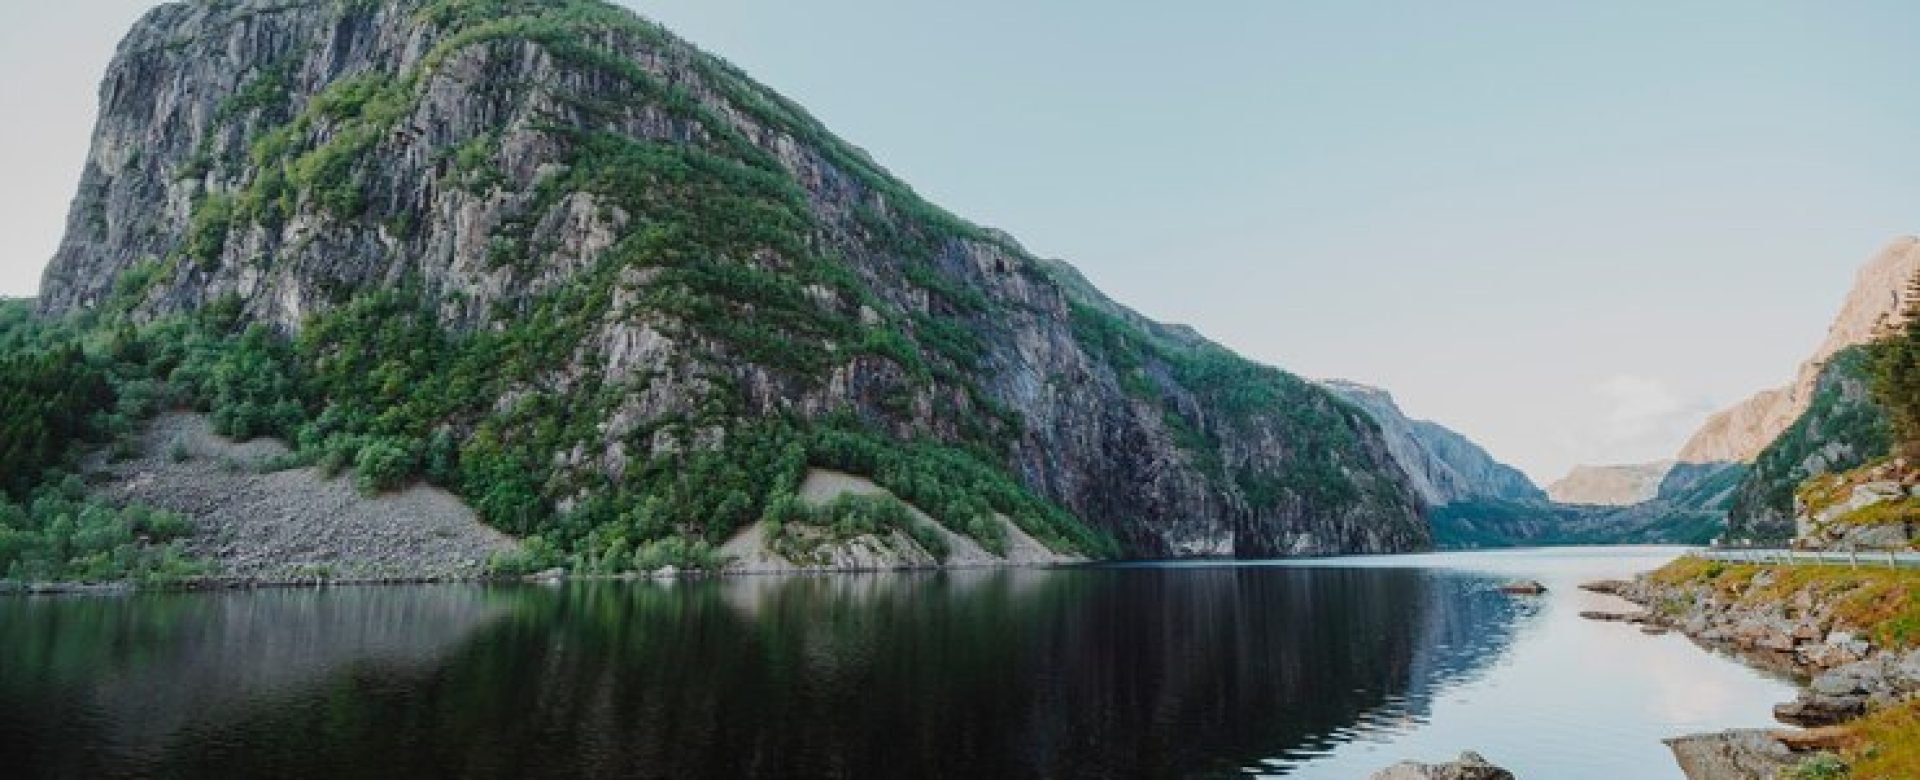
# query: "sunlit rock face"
1879,296
1621,485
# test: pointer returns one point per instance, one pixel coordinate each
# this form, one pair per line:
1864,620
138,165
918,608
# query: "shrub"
534,555
383,465
61,534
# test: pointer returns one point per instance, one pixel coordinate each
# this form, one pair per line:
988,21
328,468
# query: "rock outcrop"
681,260
1875,304
1731,755
1619,485
1469,766
1872,508
815,550
1445,466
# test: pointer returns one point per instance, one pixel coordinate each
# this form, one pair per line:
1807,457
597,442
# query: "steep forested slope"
621,297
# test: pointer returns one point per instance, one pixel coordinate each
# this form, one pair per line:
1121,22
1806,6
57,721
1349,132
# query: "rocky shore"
1813,623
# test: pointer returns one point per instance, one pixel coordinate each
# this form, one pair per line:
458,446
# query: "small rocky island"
1469,766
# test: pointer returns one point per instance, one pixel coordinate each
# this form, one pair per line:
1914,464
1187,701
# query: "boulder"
1872,537
1829,738
1470,766
1730,754
1835,684
1818,709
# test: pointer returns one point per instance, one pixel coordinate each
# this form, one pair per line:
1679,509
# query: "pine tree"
1896,376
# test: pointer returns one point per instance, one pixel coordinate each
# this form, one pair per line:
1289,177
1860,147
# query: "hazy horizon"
1568,232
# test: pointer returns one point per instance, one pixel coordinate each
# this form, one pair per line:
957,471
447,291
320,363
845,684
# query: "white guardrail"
1855,558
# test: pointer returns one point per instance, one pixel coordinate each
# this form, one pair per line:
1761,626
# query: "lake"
1321,669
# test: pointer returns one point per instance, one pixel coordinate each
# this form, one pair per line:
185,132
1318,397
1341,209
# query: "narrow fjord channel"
1323,669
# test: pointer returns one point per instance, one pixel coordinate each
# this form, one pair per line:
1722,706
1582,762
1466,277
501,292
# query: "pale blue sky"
1567,229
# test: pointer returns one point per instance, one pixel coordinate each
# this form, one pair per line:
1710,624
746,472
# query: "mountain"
614,293
1872,308
1619,485
1479,502
1445,466
1688,506
1841,429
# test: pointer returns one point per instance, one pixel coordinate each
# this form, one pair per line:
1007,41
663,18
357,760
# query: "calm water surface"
1330,669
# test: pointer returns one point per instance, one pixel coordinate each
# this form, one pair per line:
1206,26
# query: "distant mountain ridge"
1614,485
1477,501
1688,507
1445,466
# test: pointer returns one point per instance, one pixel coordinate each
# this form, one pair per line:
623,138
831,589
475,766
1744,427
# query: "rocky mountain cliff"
1617,485
1842,428
1445,466
1872,308
614,292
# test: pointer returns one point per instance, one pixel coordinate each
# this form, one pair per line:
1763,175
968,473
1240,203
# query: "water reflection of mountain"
94,687
1463,627
1088,673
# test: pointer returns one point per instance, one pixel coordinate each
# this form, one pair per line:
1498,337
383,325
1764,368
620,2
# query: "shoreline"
1842,672
219,583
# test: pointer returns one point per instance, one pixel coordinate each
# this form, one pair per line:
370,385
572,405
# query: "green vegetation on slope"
1839,431
378,386
1483,523
55,396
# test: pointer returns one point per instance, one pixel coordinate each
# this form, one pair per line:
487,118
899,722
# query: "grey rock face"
1445,466
1168,462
